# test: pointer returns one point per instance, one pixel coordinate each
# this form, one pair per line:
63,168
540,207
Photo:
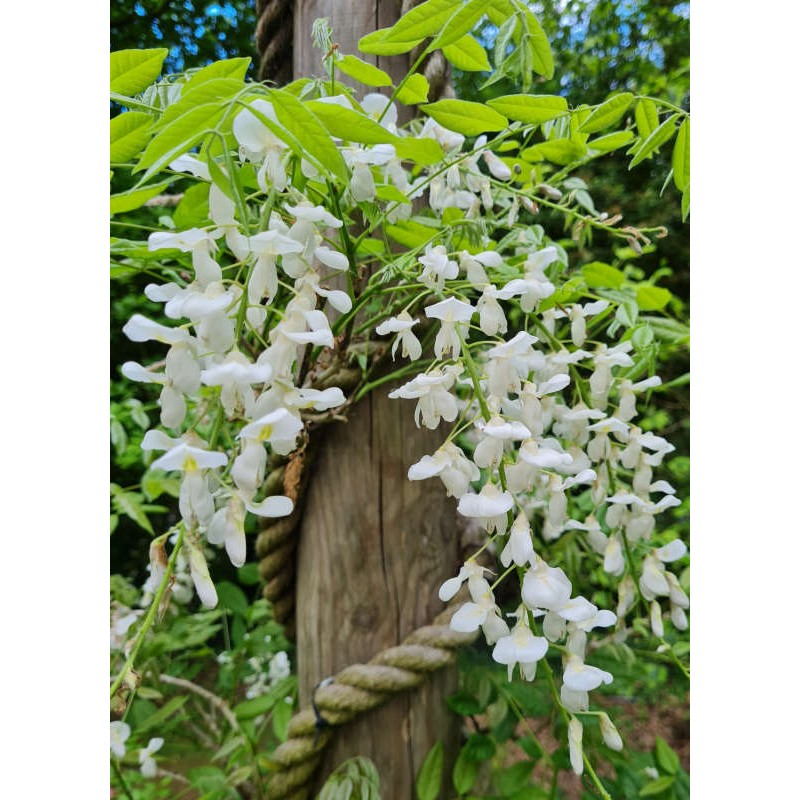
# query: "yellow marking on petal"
189,464
266,432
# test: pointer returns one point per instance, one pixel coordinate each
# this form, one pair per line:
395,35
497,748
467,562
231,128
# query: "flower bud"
610,734
575,738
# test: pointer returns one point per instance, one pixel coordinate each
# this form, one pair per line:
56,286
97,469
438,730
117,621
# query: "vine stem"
118,774
151,614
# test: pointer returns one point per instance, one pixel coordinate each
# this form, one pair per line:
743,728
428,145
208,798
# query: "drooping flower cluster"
548,442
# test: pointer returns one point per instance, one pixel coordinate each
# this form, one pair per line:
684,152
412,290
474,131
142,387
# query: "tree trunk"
374,547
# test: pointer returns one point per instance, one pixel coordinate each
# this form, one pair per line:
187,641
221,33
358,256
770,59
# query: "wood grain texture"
374,549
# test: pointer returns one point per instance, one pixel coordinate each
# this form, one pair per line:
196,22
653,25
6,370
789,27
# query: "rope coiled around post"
355,690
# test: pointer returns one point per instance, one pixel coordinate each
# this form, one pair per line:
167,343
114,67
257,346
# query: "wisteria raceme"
541,437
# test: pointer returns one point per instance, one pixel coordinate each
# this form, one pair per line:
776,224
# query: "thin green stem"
402,83
413,367
118,775
151,614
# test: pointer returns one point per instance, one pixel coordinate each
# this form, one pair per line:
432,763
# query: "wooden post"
374,547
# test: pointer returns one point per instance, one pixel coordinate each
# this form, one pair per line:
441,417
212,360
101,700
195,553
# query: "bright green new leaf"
529,108
657,787
410,233
281,715
132,71
179,137
652,298
130,504
426,19
192,211
162,714
598,275
680,157
685,204
307,129
136,198
459,24
542,54
660,136
362,71
424,151
557,151
374,43
608,113
609,142
468,55
429,779
414,90
227,68
465,117
345,123
216,90
646,116
390,194
130,132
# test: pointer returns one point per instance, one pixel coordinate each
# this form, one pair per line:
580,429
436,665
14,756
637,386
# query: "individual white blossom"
147,764
120,732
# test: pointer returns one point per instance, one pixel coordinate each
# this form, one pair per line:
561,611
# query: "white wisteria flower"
120,732
577,314
519,547
437,267
401,325
199,243
520,647
235,375
259,144
490,507
454,469
279,428
434,401
147,764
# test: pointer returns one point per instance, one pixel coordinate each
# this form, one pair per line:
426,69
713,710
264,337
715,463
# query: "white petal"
274,506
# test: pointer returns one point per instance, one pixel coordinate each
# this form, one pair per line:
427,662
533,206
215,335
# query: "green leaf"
248,574
281,715
136,198
607,113
658,786
178,137
468,55
307,129
532,109
646,116
391,194
375,43
479,747
465,117
414,90
424,151
609,142
227,68
250,709
426,19
162,714
130,132
652,298
685,204
363,71
680,157
461,23
660,136
232,597
429,778
513,778
114,522
192,211
666,758
557,151
217,90
539,46
155,483
132,71
130,504
464,703
411,234
353,126
627,314
465,772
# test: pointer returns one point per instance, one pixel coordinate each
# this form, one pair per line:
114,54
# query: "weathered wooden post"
373,547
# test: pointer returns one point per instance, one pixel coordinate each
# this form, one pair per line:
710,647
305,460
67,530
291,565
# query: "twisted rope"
274,40
355,690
